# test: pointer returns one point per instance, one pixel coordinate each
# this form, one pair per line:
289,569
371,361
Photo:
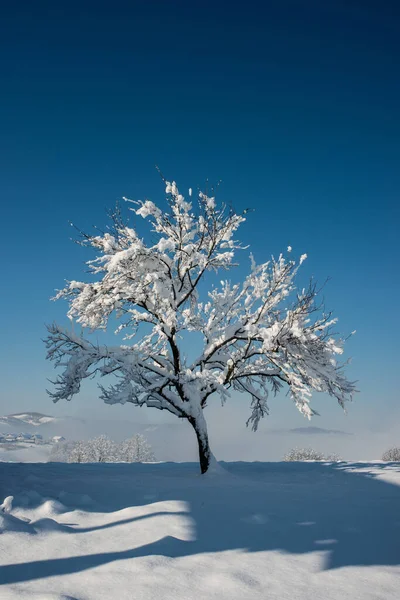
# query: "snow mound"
50,508
48,525
6,507
216,469
10,524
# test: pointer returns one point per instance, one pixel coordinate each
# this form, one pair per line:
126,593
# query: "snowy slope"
280,531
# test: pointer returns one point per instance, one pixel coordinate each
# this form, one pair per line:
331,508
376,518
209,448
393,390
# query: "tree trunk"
200,428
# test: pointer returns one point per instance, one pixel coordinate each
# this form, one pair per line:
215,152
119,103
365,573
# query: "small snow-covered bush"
333,458
297,454
301,454
391,455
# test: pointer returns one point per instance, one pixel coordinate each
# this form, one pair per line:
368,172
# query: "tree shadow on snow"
294,508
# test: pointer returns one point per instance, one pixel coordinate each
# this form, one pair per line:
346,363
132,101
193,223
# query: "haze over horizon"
174,440
294,107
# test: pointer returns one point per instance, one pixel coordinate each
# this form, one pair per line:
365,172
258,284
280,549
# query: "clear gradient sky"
293,104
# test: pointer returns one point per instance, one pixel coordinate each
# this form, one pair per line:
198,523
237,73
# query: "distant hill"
318,431
31,418
311,431
27,422
72,428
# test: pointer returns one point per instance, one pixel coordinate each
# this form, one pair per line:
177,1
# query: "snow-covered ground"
298,531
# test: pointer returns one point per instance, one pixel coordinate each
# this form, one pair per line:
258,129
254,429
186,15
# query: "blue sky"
292,104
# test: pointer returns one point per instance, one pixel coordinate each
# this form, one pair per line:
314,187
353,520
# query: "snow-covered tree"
101,449
61,451
258,336
136,449
77,453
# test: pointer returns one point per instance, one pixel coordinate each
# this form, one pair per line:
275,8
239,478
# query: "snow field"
250,531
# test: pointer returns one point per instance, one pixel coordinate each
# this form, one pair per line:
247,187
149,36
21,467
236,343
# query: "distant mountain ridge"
73,428
309,431
318,431
25,422
29,418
